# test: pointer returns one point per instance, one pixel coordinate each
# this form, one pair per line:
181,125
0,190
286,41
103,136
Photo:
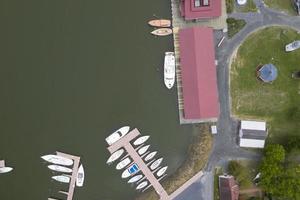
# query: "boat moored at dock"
115,156
169,69
150,156
143,150
59,168
160,23
5,170
59,160
161,171
61,178
80,176
141,140
162,32
135,178
123,163
142,185
118,134
155,164
133,169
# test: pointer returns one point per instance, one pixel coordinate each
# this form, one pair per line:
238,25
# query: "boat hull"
169,69
160,172
58,168
135,178
142,185
162,32
118,134
160,23
155,164
58,160
143,150
150,156
5,170
114,156
141,140
123,163
80,177
61,179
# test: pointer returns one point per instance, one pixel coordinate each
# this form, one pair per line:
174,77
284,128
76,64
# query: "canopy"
268,73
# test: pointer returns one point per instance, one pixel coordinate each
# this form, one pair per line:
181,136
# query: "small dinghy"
150,156
5,170
141,140
116,155
135,178
161,171
80,176
154,165
162,31
160,23
143,150
58,160
62,179
59,168
142,185
118,134
123,163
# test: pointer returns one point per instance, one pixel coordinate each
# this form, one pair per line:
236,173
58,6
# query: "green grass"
282,5
278,102
218,172
249,7
230,6
234,26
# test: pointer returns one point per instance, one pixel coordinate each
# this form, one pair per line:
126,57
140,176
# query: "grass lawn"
249,7
282,5
229,6
278,102
234,26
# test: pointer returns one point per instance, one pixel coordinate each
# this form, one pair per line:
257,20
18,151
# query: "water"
71,73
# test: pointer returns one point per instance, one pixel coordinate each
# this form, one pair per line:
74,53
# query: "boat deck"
2,163
73,177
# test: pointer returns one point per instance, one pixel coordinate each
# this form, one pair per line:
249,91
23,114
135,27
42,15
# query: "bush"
240,173
234,26
229,6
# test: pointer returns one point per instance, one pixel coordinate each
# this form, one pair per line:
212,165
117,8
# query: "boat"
160,23
114,156
123,163
59,160
5,170
169,69
161,171
118,134
292,46
141,140
150,156
61,178
142,185
135,178
59,168
80,176
162,31
133,169
143,150
154,165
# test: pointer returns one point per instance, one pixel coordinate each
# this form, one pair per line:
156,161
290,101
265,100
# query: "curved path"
225,143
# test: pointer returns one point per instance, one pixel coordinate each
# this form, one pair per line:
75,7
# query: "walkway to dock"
73,177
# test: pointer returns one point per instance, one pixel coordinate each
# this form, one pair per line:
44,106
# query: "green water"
71,72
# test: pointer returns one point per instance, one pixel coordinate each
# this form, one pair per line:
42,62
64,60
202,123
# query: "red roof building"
229,190
197,9
199,77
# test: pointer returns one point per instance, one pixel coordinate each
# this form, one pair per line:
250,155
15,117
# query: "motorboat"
143,150
162,31
160,23
115,155
141,140
142,185
292,46
155,164
135,178
5,170
133,169
62,178
161,171
150,156
80,176
169,69
59,160
241,2
123,163
59,168
118,134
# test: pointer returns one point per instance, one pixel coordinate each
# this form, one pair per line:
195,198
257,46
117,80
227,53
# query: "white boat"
292,46
150,156
5,170
135,178
141,140
161,171
143,150
142,185
169,69
59,160
114,156
123,163
118,134
131,170
80,176
154,165
59,168
61,178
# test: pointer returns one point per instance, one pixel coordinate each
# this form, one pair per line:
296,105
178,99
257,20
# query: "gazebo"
267,73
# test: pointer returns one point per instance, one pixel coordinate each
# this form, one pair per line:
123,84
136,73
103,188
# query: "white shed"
253,134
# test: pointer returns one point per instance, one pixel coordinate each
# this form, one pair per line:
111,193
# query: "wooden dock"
73,177
2,163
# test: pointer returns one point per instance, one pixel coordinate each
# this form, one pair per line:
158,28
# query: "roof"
254,134
251,143
199,81
189,11
268,73
253,125
229,190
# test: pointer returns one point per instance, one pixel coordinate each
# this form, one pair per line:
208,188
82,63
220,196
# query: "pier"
2,163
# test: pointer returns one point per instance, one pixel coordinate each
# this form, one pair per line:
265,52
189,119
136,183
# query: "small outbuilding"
228,187
267,73
253,134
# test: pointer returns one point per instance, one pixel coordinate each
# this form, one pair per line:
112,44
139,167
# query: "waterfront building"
228,187
200,9
199,77
253,134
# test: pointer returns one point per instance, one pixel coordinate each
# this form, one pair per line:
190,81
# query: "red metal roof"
189,11
199,81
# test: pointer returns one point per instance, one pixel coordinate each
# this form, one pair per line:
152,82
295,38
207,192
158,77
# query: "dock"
2,163
73,177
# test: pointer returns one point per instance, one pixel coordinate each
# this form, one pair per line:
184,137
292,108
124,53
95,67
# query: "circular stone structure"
267,73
